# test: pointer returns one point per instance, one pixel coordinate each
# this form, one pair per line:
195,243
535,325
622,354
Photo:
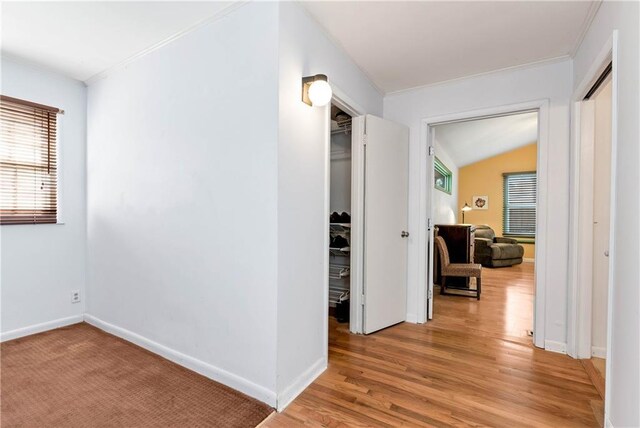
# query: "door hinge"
429,223
364,139
362,300
430,294
432,150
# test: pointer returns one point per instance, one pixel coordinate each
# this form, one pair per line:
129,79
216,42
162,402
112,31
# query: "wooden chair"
466,270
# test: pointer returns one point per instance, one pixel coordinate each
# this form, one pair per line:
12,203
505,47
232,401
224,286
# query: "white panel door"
385,223
585,224
601,216
430,225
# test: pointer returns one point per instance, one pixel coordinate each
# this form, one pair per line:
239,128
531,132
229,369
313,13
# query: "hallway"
473,364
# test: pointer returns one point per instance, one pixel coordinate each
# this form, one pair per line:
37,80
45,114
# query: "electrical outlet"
75,296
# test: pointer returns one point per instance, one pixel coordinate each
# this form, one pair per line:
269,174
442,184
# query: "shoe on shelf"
345,217
334,217
339,242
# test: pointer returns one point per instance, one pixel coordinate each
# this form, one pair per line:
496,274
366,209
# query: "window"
519,215
442,176
28,167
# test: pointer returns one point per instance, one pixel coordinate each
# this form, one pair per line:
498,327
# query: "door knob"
606,253
404,234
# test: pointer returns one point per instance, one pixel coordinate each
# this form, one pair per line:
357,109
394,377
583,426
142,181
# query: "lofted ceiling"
83,39
398,44
474,140
405,44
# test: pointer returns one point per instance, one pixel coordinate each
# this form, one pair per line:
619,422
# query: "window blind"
519,215
28,162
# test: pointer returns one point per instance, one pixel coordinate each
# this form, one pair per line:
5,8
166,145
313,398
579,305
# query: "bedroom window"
520,193
28,162
442,176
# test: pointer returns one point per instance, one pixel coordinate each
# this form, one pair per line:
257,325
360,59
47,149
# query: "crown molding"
591,14
341,47
16,59
525,66
220,14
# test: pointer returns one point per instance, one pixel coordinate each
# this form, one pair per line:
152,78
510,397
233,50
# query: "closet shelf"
337,295
338,271
340,227
341,252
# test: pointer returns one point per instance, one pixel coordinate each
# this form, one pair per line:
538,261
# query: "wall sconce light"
316,91
464,210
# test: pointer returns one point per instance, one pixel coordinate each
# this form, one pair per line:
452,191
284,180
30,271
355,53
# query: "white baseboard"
412,318
553,346
607,422
39,328
212,372
599,352
301,383
528,260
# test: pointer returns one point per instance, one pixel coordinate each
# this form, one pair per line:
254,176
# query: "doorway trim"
580,294
348,105
426,209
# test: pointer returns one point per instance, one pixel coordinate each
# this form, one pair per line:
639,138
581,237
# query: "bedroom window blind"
28,162
519,215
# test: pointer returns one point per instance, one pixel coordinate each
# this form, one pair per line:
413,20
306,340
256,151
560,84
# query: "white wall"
182,181
548,81
445,206
623,380
206,198
42,264
303,163
340,192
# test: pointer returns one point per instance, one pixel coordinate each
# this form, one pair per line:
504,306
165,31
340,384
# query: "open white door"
430,226
386,172
585,225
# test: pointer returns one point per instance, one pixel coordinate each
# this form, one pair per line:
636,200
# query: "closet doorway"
367,214
340,237
594,230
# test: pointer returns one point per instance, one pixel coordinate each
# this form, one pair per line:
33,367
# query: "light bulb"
320,93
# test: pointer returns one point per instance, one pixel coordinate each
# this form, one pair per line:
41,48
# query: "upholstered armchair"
492,251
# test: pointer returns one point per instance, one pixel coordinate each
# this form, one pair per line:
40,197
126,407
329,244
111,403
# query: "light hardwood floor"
473,365
597,377
600,365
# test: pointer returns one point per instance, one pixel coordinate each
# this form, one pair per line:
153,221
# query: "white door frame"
426,208
348,105
580,309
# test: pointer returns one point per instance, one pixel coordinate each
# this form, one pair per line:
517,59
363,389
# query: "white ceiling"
82,39
475,140
404,44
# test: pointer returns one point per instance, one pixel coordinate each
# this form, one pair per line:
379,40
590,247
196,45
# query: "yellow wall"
485,178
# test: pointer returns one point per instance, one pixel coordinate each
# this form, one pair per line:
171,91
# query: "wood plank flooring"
473,365
594,369
601,365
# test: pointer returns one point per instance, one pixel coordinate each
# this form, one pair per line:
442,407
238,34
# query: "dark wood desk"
460,240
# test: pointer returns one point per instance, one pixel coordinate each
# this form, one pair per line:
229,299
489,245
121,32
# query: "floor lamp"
465,209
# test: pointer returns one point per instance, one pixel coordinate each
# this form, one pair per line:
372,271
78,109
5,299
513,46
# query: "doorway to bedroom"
484,201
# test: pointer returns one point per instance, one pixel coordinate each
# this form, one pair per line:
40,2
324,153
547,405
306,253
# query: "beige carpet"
80,376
